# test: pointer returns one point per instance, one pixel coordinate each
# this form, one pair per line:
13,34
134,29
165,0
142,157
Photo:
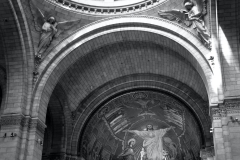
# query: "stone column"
226,130
35,140
10,137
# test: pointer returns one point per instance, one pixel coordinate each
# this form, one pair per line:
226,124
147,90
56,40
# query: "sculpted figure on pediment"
191,16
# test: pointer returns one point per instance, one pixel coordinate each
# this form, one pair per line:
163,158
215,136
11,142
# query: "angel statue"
193,15
48,28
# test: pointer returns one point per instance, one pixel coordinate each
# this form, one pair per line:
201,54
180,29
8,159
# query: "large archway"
60,58
110,49
124,118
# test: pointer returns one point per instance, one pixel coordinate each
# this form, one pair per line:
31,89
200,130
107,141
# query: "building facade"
118,79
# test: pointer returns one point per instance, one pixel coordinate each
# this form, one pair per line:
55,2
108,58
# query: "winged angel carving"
48,28
193,15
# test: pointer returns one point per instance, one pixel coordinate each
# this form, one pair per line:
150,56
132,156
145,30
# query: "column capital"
226,108
218,113
25,122
232,106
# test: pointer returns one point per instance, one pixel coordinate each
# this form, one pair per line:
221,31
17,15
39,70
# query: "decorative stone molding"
218,113
24,122
106,10
14,120
207,153
37,124
225,109
232,105
189,17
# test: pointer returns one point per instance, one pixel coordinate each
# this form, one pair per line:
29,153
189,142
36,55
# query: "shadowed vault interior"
105,135
119,80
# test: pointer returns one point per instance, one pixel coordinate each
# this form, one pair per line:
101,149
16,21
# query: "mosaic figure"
128,153
152,141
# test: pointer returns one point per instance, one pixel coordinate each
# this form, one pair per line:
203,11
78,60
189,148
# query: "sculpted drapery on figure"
193,15
48,27
152,141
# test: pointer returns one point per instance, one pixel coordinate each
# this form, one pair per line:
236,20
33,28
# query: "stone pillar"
218,116
35,140
21,138
226,130
10,137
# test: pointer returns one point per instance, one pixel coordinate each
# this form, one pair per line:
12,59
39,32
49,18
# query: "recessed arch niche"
105,134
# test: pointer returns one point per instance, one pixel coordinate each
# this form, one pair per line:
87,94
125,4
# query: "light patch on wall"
216,81
226,48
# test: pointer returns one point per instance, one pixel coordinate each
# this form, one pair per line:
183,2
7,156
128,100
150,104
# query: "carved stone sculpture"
193,15
48,27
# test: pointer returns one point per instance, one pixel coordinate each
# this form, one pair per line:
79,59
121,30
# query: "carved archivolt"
106,10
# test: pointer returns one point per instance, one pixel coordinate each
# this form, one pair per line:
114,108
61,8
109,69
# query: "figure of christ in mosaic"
152,141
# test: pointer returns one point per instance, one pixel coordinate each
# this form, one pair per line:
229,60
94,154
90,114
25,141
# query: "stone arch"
59,118
168,85
102,33
18,51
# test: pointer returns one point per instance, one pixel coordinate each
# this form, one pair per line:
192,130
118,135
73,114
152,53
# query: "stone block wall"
226,132
229,45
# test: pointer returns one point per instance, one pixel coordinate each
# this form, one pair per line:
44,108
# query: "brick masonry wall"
16,50
116,60
17,53
226,137
131,82
80,80
229,46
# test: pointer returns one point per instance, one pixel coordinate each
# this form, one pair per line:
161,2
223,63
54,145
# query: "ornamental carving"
106,10
191,16
49,30
24,122
225,109
218,113
232,105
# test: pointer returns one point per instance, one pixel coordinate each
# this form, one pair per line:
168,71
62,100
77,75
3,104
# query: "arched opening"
139,54
55,132
175,132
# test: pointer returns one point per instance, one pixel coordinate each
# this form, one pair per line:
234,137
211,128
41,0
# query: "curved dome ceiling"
120,128
109,3
107,7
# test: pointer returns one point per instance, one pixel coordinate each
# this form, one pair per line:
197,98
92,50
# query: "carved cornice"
106,10
11,120
225,109
218,113
37,124
234,105
23,121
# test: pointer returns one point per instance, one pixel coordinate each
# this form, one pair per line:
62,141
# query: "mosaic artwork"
141,126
